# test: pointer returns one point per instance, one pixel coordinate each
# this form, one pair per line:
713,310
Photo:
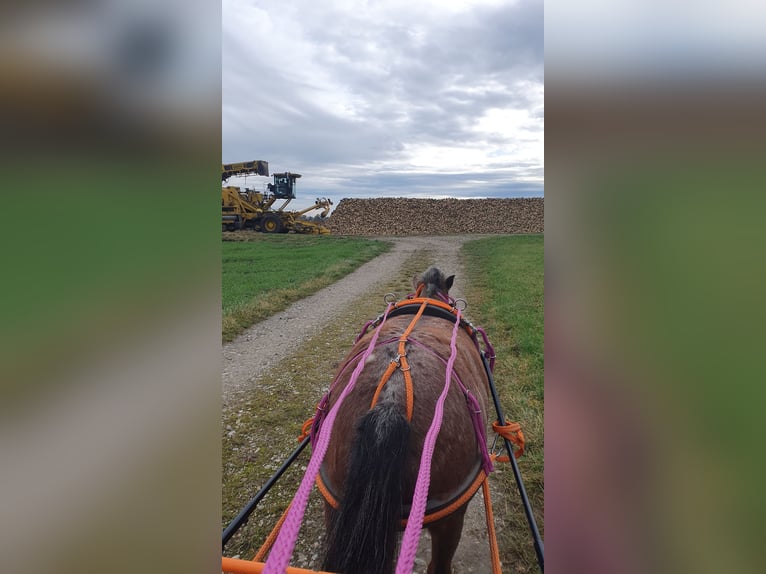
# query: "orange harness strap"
269,542
431,517
306,429
512,432
236,566
494,551
383,380
460,501
400,361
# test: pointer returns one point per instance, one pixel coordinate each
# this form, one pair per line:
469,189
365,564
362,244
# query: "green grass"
506,295
257,280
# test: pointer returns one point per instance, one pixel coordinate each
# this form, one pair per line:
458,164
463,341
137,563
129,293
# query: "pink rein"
279,558
418,509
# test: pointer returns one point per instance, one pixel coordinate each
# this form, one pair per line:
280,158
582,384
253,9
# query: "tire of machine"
271,224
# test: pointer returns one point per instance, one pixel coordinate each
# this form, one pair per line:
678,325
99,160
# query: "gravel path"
252,354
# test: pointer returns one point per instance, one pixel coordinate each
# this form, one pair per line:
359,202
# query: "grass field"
257,279
506,297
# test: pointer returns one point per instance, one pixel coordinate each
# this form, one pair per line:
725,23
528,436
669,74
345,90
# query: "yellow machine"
251,209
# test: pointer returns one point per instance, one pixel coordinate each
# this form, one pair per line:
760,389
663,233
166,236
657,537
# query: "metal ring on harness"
463,301
390,298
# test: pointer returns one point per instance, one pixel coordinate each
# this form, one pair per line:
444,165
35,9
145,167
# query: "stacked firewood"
404,216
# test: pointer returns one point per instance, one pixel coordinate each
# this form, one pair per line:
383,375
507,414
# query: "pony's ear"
416,280
449,281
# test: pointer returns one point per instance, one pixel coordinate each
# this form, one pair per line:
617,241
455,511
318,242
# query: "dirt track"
248,359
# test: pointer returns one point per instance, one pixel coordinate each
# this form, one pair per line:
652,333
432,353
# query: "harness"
445,309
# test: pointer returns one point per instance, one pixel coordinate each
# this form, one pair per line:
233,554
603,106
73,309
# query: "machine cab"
284,185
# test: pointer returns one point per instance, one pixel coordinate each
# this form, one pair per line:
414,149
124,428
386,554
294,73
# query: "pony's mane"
434,282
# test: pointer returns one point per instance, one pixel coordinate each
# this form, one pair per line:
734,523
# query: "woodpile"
404,216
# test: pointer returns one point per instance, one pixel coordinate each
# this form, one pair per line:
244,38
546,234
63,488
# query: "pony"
371,465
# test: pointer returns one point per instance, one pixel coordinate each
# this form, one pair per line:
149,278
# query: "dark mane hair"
434,282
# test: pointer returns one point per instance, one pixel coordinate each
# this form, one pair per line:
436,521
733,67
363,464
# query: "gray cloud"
346,96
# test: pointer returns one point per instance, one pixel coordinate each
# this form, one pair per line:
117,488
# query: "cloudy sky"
418,98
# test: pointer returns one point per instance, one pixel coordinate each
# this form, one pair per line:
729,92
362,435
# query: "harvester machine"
251,209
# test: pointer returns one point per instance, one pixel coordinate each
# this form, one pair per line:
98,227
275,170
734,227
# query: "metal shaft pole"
539,546
244,514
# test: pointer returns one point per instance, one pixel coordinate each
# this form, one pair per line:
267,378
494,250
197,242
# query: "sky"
390,98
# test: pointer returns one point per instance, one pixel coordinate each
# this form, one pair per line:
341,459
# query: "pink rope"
279,558
363,332
418,509
319,416
490,350
481,434
475,411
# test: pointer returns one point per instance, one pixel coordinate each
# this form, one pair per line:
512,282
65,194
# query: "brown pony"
372,462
